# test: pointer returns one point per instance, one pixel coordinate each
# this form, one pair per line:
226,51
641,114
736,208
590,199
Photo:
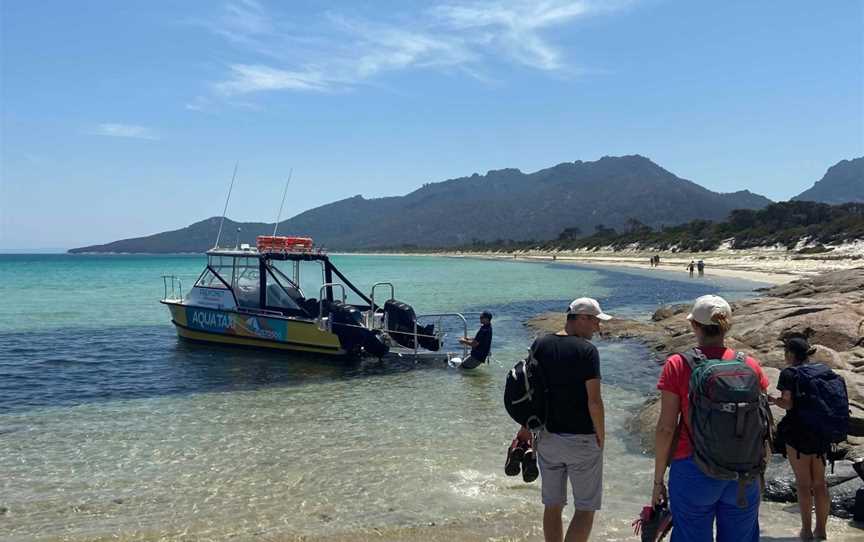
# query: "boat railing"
370,316
439,326
415,334
173,284
321,323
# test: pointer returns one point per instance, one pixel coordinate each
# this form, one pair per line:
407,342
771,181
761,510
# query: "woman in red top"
696,500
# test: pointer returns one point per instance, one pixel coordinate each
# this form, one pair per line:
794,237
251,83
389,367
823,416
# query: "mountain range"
842,183
612,192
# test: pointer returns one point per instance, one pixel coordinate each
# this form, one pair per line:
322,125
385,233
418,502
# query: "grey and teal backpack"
730,420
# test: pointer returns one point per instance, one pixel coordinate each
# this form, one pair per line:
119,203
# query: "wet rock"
628,329
780,482
842,485
669,311
843,498
644,422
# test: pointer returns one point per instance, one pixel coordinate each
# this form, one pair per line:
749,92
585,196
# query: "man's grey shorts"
578,457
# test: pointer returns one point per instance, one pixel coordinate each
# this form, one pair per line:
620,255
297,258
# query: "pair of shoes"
530,472
654,523
515,454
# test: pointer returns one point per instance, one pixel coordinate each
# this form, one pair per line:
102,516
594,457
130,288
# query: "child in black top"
806,454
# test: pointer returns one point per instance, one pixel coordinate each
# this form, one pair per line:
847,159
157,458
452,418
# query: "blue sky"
122,119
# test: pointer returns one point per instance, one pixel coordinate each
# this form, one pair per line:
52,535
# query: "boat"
252,296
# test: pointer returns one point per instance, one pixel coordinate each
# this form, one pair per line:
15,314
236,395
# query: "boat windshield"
208,279
218,273
246,283
282,293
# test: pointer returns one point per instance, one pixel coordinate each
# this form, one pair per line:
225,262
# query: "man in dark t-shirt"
481,344
570,446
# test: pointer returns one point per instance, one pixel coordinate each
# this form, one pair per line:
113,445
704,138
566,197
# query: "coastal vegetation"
805,226
787,224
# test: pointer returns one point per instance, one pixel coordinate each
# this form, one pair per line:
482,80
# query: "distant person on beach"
694,433
691,267
480,345
805,434
651,261
700,266
657,261
570,446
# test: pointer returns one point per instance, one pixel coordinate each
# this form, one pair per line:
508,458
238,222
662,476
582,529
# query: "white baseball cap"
589,306
706,307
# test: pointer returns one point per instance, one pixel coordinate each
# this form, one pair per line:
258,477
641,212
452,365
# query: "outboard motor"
400,325
427,339
348,325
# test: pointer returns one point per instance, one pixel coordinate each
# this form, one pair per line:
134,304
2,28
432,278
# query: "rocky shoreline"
828,308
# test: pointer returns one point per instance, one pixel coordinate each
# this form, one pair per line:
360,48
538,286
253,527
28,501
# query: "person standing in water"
480,345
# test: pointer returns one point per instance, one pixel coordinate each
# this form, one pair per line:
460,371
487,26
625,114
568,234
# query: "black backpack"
730,419
525,393
821,402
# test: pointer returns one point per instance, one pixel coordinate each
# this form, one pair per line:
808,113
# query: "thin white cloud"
112,129
387,47
465,36
515,27
243,23
246,78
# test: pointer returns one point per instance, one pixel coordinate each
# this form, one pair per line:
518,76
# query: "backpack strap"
545,383
741,494
690,357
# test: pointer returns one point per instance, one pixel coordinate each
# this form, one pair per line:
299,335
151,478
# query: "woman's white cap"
706,307
589,306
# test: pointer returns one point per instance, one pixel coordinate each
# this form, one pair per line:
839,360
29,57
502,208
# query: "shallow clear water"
110,425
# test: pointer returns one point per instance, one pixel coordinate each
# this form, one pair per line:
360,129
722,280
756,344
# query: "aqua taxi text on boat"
251,296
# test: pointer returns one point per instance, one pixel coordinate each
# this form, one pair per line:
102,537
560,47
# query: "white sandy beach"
773,266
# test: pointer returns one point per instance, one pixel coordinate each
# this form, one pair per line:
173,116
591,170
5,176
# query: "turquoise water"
111,426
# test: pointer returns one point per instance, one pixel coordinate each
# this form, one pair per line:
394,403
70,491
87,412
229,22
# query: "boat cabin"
250,280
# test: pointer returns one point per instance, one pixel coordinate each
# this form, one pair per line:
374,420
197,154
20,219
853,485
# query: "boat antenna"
284,193
225,210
